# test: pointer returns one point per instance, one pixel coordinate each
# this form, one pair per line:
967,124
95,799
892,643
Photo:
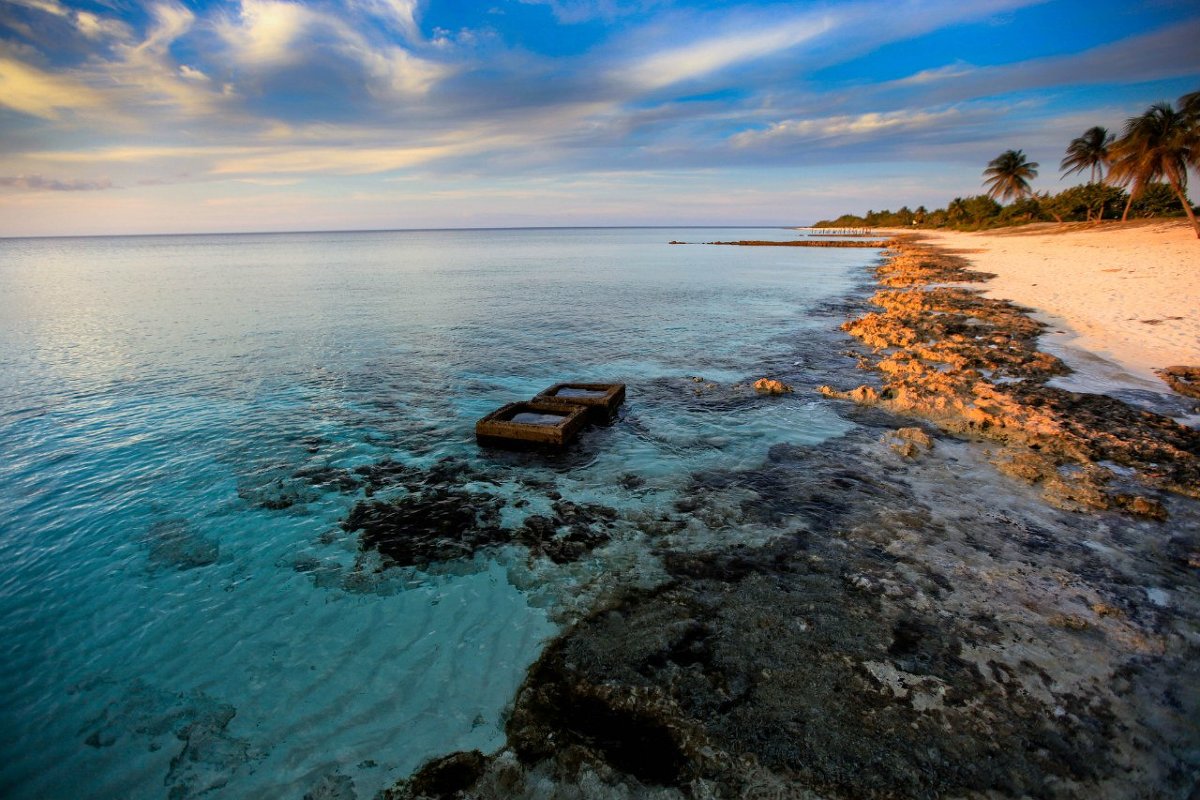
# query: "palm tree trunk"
1128,203
1187,207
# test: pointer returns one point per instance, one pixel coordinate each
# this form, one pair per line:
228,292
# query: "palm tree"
1158,144
1090,152
1008,175
1189,107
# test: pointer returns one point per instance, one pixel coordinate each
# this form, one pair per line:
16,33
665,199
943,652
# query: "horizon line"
393,230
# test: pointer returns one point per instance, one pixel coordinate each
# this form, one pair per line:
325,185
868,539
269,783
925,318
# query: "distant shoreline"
798,243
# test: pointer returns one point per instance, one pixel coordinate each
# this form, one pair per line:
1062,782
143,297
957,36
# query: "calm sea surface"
186,422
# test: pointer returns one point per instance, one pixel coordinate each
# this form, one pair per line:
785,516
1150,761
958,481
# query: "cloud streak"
41,94
39,183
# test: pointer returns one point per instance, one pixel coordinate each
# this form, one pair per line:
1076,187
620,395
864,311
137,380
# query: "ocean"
187,424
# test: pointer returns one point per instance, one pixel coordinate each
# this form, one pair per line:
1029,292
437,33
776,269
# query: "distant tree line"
1141,174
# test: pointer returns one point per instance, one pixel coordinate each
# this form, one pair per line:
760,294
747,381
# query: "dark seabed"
251,549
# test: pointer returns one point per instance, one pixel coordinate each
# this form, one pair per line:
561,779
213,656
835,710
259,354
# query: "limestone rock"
771,386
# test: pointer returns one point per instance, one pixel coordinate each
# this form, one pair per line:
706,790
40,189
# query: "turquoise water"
186,424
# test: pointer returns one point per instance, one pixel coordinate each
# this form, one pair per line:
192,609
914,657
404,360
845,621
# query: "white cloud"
705,56
31,91
42,183
171,21
95,27
264,31
192,74
959,69
329,160
146,74
574,11
48,6
273,34
402,14
846,126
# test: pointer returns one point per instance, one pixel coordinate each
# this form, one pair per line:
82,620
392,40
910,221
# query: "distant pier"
836,231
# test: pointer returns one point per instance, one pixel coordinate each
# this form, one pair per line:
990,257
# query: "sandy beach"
1128,293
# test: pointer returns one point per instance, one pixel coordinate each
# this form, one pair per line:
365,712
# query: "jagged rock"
1185,380
428,526
437,520
446,778
909,442
771,386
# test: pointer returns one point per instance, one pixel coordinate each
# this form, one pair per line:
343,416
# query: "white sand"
1126,292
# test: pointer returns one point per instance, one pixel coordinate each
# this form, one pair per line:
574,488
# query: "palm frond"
1008,175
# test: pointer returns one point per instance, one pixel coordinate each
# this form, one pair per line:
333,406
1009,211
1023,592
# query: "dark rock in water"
542,535
332,478
278,493
333,786
631,482
757,657
536,530
428,526
446,778
208,756
385,473
173,543
100,739
438,520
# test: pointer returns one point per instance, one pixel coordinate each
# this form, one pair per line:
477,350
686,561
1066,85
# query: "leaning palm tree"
1159,144
1089,152
1008,175
1189,107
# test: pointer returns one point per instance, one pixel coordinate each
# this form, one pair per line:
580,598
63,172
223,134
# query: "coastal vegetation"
1142,173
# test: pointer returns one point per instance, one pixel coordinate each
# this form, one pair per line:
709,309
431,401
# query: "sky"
123,117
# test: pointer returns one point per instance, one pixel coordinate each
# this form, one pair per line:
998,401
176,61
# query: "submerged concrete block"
602,399
532,422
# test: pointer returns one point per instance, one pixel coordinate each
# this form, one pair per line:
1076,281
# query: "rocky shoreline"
906,623
970,365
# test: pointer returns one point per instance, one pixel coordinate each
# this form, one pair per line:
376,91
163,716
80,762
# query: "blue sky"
165,116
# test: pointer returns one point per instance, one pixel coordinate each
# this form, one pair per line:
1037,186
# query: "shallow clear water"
178,601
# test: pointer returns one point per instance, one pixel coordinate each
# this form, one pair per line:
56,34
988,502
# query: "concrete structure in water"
601,399
553,418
